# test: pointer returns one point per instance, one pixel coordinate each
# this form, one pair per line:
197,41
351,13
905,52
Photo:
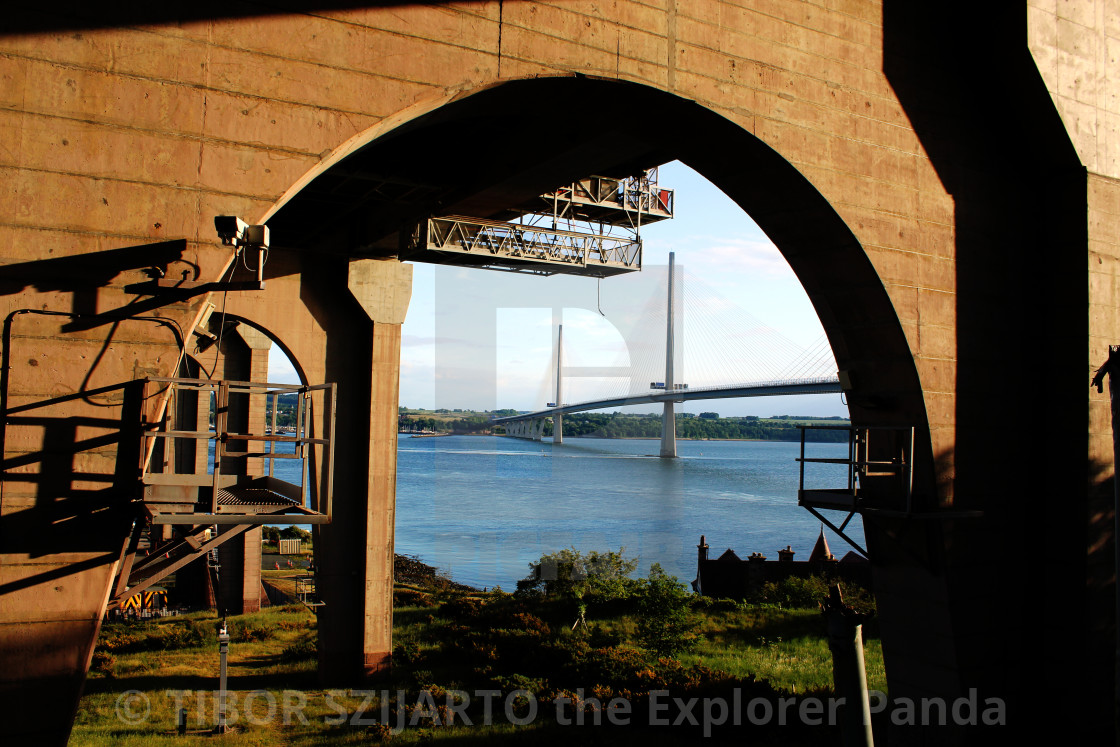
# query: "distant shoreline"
615,438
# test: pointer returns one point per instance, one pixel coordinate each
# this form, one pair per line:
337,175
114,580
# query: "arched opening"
483,153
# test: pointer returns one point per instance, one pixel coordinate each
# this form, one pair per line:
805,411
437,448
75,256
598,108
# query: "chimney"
756,557
786,555
702,550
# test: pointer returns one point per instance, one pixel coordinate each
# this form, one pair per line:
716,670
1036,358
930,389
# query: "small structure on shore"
731,577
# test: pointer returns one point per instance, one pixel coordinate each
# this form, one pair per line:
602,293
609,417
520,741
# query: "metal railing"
640,195
504,241
879,464
165,465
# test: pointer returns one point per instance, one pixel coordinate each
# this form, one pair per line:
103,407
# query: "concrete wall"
971,181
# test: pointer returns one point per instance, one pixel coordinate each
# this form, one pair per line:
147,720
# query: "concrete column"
259,345
354,553
240,574
244,358
202,423
669,431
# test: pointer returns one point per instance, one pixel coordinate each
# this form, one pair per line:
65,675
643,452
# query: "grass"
786,647
169,663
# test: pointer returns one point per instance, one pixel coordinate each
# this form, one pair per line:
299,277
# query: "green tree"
571,573
667,626
294,532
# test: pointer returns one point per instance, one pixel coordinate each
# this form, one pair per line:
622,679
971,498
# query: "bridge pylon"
669,415
558,418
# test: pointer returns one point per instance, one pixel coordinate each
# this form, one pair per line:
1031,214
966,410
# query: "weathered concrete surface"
934,176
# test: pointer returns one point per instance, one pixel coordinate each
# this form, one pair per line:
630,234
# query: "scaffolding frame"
877,455
494,242
628,202
174,497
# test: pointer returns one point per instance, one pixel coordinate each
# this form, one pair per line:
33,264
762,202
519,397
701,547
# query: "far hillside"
705,425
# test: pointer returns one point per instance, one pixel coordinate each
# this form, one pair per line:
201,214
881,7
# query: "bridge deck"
765,389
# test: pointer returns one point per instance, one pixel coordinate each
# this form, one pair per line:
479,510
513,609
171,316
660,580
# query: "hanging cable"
222,319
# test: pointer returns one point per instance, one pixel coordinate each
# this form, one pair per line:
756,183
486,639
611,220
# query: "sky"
483,340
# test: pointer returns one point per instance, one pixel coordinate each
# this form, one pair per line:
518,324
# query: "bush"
240,632
792,591
302,649
666,625
411,598
103,662
570,573
809,592
164,636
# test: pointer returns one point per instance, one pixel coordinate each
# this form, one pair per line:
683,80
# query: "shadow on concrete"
972,92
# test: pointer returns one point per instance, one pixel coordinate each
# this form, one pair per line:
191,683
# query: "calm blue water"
482,507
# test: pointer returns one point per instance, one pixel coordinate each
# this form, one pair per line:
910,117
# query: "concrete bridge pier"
531,429
669,432
354,553
243,357
351,338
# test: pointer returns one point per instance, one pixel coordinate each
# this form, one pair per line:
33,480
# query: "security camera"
256,236
231,229
235,232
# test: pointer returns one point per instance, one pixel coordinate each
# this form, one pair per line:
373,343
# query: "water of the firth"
482,507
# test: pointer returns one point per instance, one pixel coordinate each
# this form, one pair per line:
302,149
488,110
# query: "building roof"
820,550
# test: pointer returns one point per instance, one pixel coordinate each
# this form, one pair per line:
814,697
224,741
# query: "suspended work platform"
627,203
179,489
203,488
527,248
590,227
878,472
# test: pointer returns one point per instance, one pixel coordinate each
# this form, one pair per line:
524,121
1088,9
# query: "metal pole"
845,639
669,417
223,650
558,418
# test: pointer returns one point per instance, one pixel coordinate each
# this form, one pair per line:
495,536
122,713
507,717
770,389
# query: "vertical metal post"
558,418
330,397
801,466
304,432
221,412
669,417
852,436
223,651
168,425
845,639
272,444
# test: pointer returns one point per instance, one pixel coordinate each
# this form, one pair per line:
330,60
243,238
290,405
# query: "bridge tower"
669,416
558,418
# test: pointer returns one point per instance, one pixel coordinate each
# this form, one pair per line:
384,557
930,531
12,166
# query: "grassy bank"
447,640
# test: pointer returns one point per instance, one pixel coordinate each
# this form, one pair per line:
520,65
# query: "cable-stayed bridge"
757,359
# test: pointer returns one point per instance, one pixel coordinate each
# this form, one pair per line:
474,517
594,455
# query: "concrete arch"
906,120
467,155
442,137
276,340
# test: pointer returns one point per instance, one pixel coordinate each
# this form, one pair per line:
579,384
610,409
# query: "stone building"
731,577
